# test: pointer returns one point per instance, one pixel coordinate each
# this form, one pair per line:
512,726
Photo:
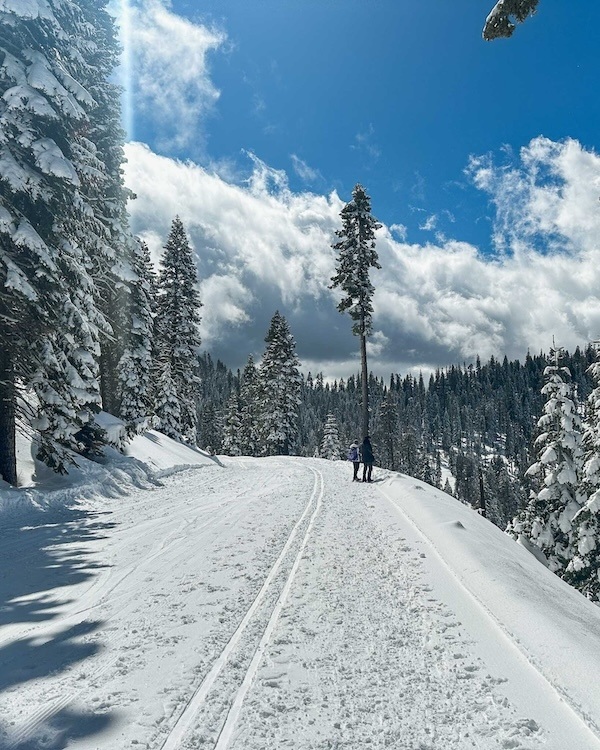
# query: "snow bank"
146,459
554,627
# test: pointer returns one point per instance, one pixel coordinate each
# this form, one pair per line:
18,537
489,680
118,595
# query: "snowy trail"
190,712
266,604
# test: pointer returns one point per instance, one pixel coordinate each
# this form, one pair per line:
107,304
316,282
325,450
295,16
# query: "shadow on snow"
45,554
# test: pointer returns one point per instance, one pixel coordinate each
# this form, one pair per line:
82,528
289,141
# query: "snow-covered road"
266,604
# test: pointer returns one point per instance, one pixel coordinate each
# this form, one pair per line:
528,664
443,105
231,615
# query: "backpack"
353,454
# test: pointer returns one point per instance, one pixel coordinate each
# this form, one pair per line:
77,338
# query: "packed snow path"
266,604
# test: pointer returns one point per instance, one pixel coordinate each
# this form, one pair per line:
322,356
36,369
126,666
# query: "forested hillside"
477,420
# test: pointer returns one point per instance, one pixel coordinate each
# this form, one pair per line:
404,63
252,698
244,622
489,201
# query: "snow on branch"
499,23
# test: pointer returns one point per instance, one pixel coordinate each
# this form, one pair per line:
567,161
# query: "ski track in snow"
365,657
269,604
189,715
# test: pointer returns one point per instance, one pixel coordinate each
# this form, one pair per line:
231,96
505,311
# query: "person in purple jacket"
354,456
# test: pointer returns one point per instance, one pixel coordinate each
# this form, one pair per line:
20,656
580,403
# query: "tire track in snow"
187,717
562,699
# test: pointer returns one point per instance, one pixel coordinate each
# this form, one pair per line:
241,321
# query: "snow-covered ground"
272,603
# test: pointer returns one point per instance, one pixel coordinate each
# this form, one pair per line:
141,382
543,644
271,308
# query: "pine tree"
105,234
547,520
177,338
249,409
583,570
230,445
330,445
211,428
387,432
499,24
356,255
48,290
135,367
279,389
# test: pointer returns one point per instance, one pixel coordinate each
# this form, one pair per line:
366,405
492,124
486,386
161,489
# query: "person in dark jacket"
354,456
368,459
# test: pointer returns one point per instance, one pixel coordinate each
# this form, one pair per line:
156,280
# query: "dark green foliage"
278,390
177,338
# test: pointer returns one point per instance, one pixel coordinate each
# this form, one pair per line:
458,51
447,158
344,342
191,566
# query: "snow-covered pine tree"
177,338
249,409
230,445
98,148
547,520
47,288
356,256
211,428
499,21
135,368
330,445
279,389
583,570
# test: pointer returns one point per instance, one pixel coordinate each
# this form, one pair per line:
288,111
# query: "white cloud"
430,223
400,230
377,344
304,172
171,82
261,246
549,199
273,245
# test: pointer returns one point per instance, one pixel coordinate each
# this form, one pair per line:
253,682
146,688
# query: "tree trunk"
8,455
482,504
365,386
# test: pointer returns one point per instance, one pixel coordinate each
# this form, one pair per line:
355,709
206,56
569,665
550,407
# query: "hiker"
368,459
354,456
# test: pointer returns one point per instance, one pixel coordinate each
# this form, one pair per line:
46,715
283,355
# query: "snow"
51,160
272,603
27,8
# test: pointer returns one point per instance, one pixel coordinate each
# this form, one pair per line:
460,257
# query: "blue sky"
281,106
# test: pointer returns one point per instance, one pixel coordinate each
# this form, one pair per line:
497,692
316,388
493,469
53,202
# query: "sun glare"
124,23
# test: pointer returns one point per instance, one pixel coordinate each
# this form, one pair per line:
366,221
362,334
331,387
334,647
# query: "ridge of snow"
146,459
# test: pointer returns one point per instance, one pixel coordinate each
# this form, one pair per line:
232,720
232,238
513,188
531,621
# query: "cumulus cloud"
548,199
170,73
261,246
258,245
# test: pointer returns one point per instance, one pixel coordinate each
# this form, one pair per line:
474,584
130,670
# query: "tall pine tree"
48,159
177,338
249,409
583,570
356,256
135,367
